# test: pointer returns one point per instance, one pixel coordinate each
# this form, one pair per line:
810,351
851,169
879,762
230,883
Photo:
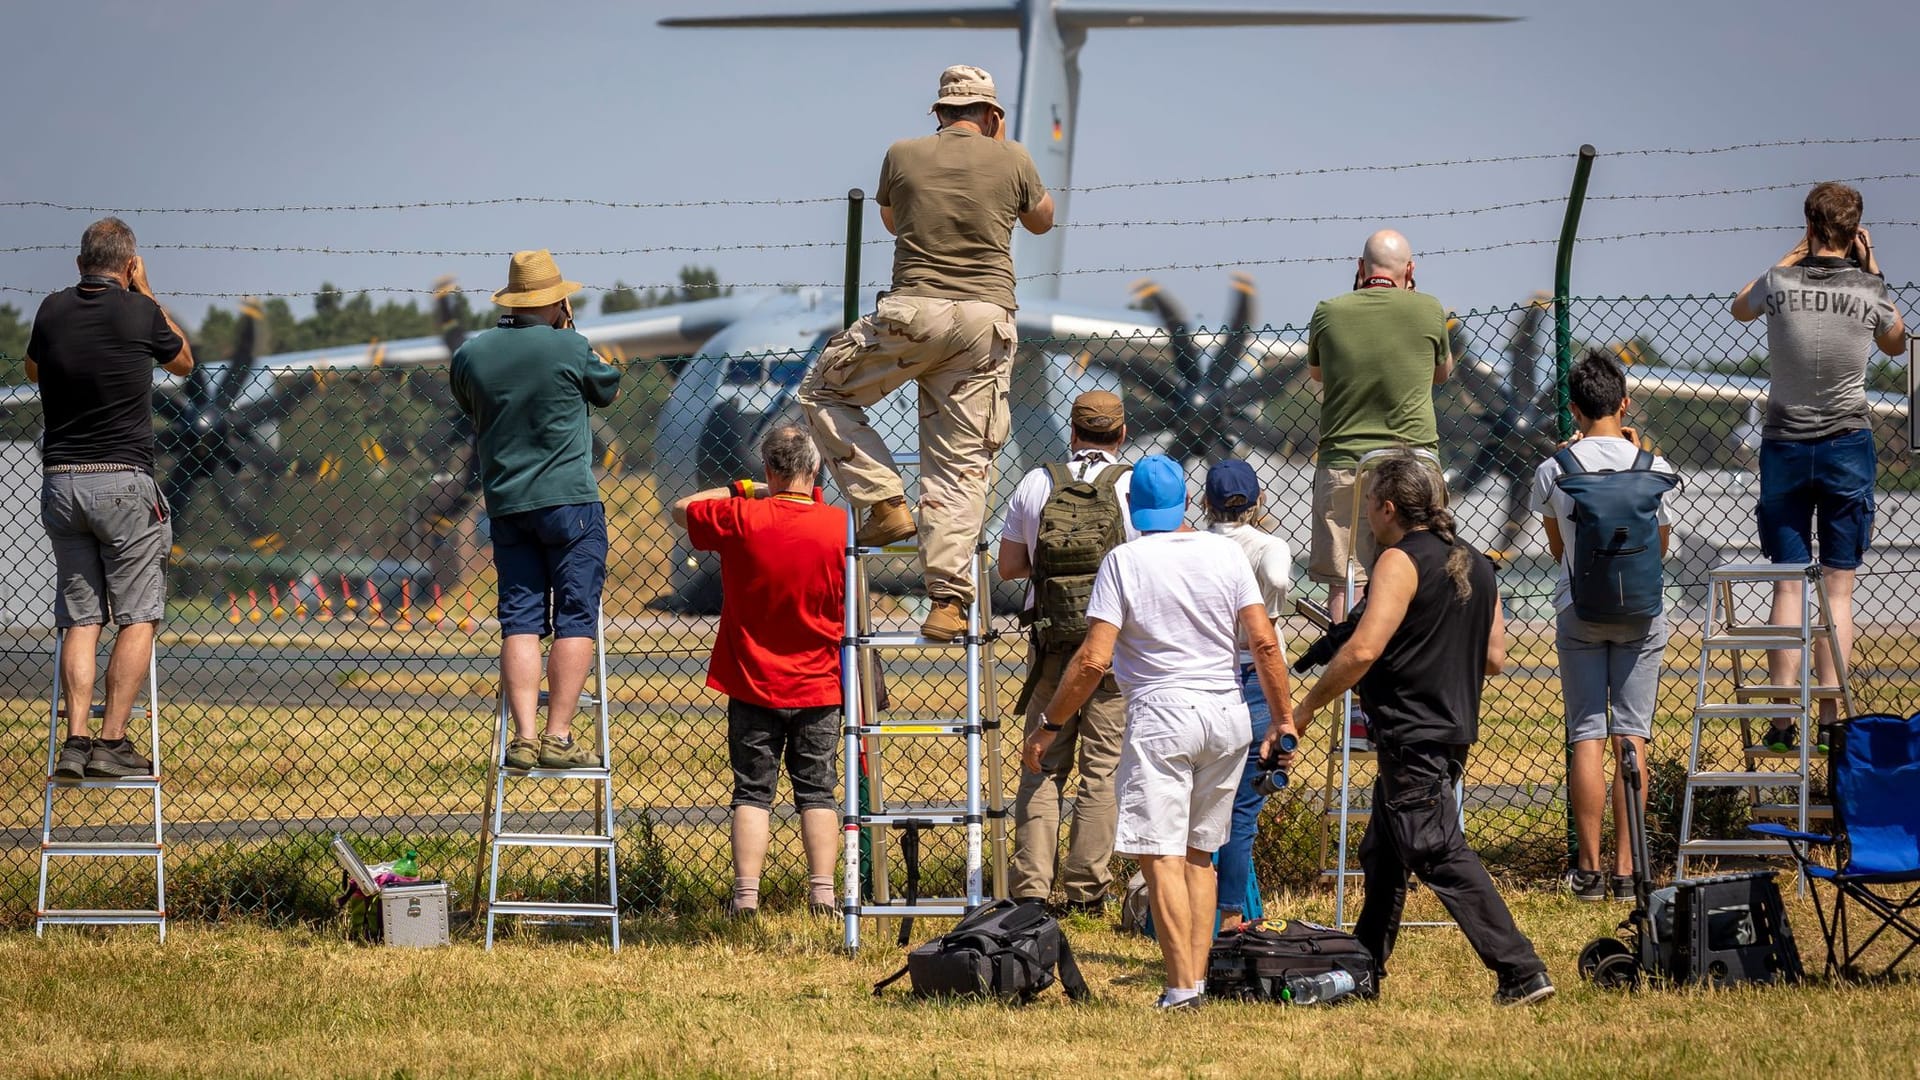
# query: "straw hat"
964,84
533,280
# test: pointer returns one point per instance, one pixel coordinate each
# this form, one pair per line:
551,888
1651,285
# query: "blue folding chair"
1875,767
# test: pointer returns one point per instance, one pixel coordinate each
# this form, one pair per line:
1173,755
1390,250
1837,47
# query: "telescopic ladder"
1759,766
548,829
870,814
95,846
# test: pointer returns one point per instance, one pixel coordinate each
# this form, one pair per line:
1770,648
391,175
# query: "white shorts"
1179,769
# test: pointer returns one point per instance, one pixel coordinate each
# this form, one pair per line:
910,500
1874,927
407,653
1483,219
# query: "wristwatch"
1048,725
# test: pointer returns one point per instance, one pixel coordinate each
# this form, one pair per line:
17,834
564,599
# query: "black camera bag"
1001,949
1255,961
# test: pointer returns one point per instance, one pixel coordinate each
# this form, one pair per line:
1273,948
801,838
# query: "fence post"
1562,364
856,199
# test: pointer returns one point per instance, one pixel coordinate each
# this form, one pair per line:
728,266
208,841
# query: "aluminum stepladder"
494,834
866,732
154,849
1350,748
1760,701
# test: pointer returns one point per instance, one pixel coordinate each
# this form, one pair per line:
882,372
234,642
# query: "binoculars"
1270,781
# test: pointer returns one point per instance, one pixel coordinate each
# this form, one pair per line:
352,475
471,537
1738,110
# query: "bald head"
1387,252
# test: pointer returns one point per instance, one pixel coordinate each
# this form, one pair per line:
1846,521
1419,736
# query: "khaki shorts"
1335,525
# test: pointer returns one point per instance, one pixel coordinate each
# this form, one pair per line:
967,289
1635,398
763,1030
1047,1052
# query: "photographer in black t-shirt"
93,350
1430,632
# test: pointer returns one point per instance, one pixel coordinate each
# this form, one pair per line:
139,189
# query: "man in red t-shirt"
777,654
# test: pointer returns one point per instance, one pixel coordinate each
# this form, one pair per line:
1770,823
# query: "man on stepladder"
93,350
777,653
527,386
1827,307
950,199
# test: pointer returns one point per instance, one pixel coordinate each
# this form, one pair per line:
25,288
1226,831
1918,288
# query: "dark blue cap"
1231,480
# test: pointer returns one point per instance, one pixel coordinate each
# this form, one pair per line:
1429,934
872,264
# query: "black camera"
1272,780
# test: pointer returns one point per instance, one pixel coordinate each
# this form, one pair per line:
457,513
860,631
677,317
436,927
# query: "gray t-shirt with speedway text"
1822,316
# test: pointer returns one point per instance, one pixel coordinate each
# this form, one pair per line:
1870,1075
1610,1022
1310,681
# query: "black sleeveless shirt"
1425,688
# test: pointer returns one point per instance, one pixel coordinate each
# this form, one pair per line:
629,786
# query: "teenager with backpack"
1601,498
1061,521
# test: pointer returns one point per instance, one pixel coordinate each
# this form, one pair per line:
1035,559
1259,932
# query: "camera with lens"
1271,780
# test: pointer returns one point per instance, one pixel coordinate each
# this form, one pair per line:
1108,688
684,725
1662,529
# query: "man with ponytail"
1430,631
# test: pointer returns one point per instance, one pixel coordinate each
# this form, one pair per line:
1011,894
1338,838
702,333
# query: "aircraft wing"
1126,332
1689,384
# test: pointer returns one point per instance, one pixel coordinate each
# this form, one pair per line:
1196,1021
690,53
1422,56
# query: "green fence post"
856,200
1562,364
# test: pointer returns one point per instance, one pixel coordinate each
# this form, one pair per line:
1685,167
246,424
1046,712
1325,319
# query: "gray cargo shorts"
110,532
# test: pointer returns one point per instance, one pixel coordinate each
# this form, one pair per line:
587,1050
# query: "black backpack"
1002,949
1079,523
1617,572
1255,961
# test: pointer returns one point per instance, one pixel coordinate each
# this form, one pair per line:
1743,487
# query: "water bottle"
1317,989
408,866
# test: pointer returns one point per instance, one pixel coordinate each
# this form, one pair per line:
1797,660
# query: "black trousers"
1416,827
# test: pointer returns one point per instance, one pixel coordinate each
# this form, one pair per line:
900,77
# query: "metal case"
414,916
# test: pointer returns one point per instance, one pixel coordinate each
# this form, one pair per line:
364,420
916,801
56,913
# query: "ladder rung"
105,782
906,639
943,728
1746,711
99,712
558,774
101,847
1770,691
103,916
1735,847
593,840
1745,779
887,550
587,701
1757,641
1778,812
1814,754
932,815
541,907
927,908
1737,572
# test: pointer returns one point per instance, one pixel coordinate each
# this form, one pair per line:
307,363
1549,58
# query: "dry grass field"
706,998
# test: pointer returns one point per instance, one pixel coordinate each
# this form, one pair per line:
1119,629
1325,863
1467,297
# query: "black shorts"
758,737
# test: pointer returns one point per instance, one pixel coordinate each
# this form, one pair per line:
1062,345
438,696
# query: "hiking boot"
116,758
888,522
72,763
522,754
947,621
1526,991
1588,885
1621,886
559,753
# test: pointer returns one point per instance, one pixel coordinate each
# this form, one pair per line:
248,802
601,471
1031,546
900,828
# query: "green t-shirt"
955,196
1376,350
526,386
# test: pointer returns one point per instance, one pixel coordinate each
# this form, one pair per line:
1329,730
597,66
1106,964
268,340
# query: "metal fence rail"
329,651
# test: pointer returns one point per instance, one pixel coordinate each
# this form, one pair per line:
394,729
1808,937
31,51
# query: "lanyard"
1379,283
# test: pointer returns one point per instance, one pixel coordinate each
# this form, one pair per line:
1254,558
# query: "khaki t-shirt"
1376,350
955,197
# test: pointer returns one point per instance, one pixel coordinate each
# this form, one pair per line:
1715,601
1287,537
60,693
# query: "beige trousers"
961,354
1096,732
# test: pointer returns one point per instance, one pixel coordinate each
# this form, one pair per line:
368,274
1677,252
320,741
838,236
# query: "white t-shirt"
1023,509
1272,563
1176,598
1593,454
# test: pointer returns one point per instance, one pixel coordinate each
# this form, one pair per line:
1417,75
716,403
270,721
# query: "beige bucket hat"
964,84
533,280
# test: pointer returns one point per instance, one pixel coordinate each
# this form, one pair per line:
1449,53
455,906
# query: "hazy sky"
221,104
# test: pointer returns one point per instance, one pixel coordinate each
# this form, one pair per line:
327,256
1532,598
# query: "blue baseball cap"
1158,497
1229,480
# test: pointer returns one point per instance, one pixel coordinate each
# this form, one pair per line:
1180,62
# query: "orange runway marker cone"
325,614
468,624
375,617
299,601
273,595
404,622
253,606
233,609
436,614
347,602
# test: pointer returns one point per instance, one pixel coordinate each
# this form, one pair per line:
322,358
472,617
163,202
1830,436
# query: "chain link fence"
328,663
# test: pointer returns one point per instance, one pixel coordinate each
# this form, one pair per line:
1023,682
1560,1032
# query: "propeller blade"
240,365
172,411
1269,439
1270,384
453,330
1145,418
1186,360
1526,345
1143,373
1239,332
199,389
287,395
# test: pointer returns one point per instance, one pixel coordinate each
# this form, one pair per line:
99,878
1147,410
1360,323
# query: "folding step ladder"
1723,632
495,836
119,848
981,805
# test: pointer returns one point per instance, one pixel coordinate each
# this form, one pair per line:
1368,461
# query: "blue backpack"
1617,572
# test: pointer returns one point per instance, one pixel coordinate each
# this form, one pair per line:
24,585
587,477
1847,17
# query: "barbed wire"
683,204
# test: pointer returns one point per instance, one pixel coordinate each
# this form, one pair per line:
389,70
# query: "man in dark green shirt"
527,386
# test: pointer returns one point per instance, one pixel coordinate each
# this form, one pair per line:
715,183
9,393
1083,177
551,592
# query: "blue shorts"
552,563
1830,478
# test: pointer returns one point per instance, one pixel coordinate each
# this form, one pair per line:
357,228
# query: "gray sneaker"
116,759
1588,885
558,753
72,762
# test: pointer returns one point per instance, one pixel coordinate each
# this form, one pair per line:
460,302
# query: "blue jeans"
1238,889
